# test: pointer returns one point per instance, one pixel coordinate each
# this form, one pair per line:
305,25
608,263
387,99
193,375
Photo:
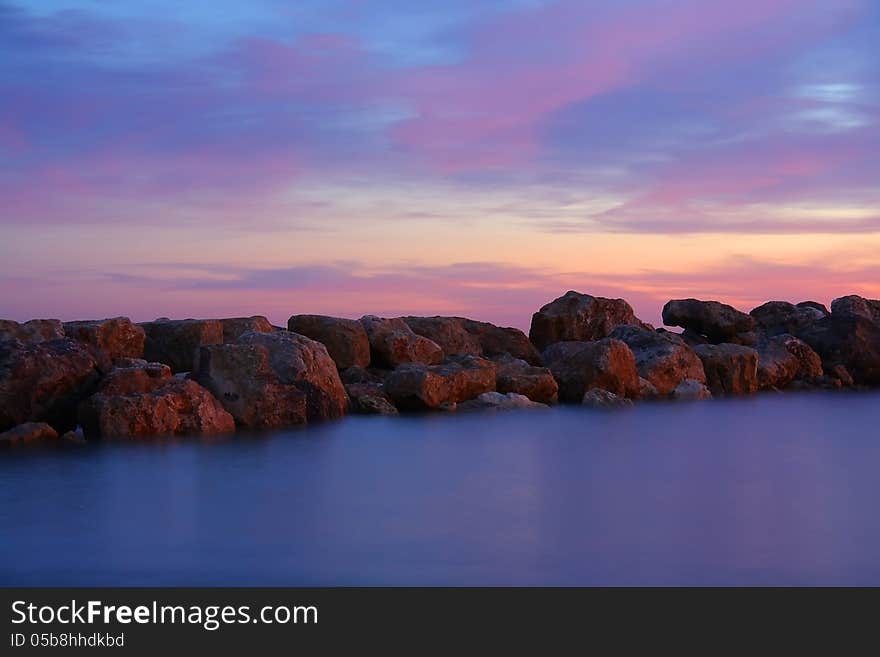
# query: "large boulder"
691,390
663,358
731,369
497,340
369,399
143,402
717,321
783,359
345,339
234,327
608,364
34,330
29,432
270,380
848,340
116,337
514,375
176,342
579,317
416,386
856,306
449,333
44,381
496,401
778,317
393,343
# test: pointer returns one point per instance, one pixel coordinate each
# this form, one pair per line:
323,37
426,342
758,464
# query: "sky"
465,157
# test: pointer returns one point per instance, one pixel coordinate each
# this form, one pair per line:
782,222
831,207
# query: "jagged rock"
270,380
449,333
116,337
176,342
647,390
234,327
579,317
841,374
663,358
35,330
44,381
778,317
513,375
561,351
29,432
143,402
814,304
498,340
415,386
606,363
784,358
356,374
850,340
856,306
496,401
369,399
730,369
717,321
690,390
345,339
599,398
393,343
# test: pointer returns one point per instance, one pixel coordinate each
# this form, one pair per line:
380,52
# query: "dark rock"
356,374
690,390
778,317
393,343
730,369
496,401
717,321
415,386
513,375
117,337
270,380
369,399
35,330
647,390
498,340
663,358
345,339
608,364
29,432
814,304
784,358
449,333
599,398
234,327
143,402
44,381
849,339
579,317
856,306
176,342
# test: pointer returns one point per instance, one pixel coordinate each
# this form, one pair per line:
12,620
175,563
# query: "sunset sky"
468,157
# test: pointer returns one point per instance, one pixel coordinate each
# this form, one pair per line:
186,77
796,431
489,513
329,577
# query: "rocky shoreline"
114,379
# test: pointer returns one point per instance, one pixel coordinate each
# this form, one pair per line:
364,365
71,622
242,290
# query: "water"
769,490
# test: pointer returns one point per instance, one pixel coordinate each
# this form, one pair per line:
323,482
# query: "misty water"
775,489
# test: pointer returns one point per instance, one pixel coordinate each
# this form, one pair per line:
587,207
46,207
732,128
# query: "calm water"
770,490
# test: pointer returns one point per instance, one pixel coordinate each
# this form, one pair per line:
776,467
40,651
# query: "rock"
850,340
717,321
498,340
856,306
608,364
496,401
369,399
416,386
579,317
271,380
73,438
841,374
44,381
117,337
662,358
29,432
345,339
356,374
647,390
176,342
784,358
599,398
234,327
814,304
690,390
393,343
449,333
730,369
778,317
513,375
692,338
143,402
35,330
